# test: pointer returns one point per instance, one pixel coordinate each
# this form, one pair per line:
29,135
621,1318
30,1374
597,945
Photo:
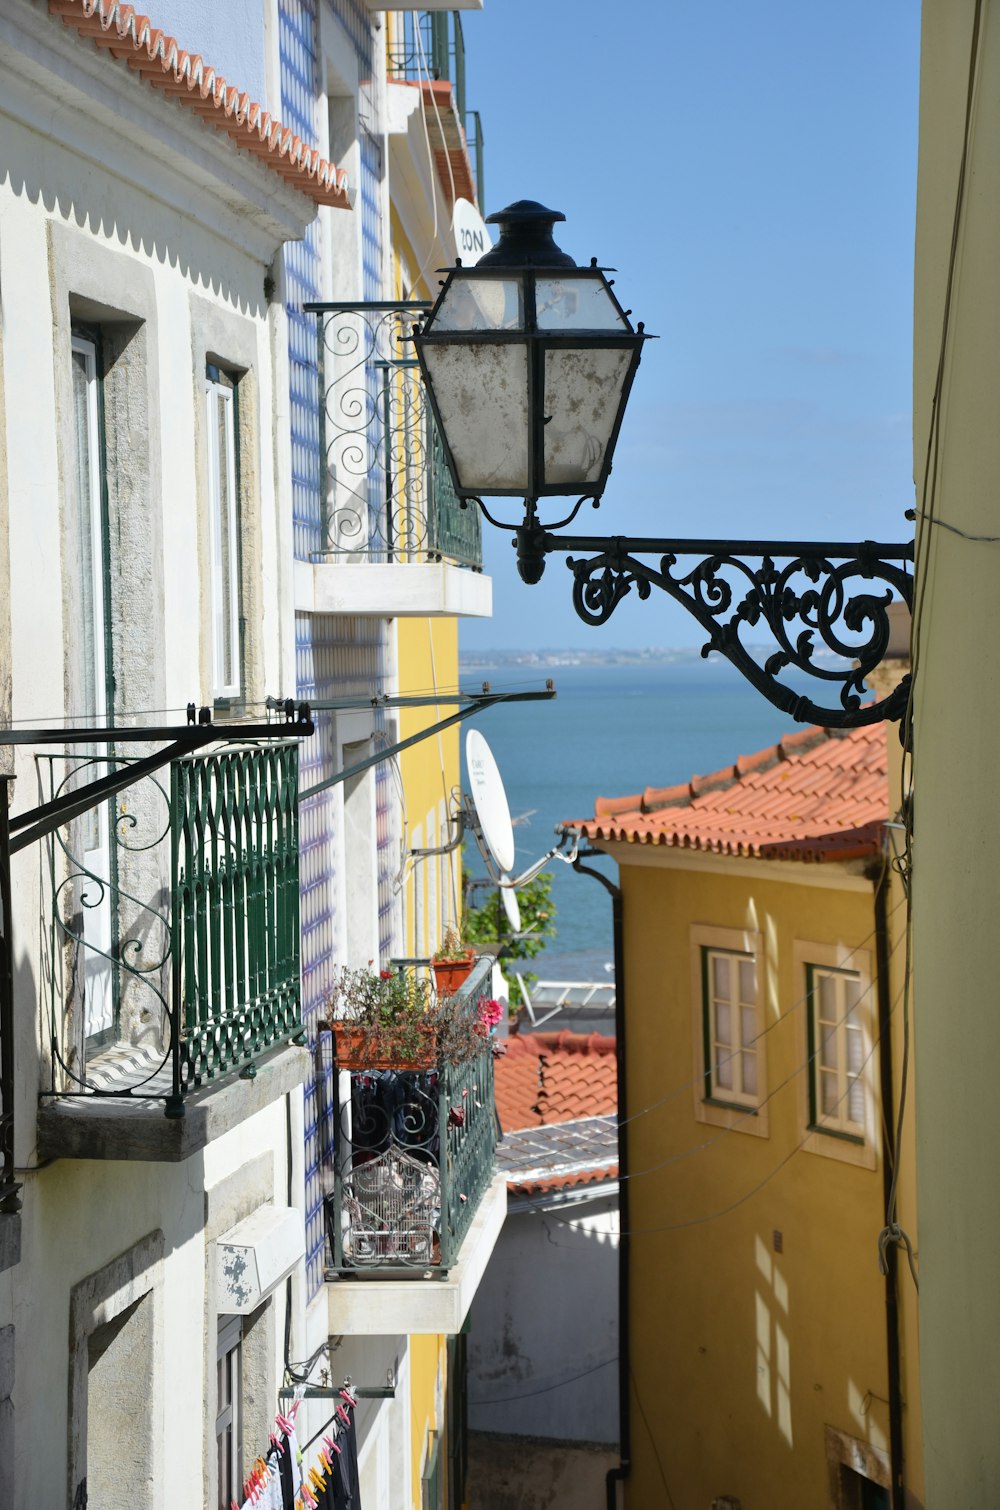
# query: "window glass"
731,1026
224,524
838,1052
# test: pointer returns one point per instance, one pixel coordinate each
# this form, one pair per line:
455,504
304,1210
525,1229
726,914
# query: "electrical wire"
724,1211
548,1388
652,1438
744,1116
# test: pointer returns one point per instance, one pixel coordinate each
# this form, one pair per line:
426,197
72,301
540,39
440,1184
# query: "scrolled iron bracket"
825,606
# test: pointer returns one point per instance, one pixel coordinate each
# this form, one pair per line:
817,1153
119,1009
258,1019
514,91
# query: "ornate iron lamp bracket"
823,603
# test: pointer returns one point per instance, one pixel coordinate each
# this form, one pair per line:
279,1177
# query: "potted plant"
452,963
381,1020
388,1020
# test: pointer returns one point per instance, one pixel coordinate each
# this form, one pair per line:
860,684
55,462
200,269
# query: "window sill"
746,1119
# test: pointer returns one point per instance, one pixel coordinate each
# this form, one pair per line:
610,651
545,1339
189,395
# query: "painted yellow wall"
741,1355
430,770
428,1381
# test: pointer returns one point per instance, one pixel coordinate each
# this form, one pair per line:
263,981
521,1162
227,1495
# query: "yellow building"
769,1362
439,553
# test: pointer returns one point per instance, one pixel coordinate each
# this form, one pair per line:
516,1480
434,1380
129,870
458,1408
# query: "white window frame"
224,530
732,1108
835,1136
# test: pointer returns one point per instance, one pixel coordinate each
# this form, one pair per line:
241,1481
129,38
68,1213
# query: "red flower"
386,974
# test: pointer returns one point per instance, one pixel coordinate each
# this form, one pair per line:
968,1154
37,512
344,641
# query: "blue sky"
750,171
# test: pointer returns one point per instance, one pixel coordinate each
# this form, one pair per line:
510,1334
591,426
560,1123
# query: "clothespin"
346,1394
342,1413
287,1426
329,1442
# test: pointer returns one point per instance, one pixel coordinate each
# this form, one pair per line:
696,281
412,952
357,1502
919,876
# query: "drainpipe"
881,884
621,1473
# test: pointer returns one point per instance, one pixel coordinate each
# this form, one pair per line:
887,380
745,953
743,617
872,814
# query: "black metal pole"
890,1154
618,1475
9,1199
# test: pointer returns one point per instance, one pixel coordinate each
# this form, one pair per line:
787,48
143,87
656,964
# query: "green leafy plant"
488,924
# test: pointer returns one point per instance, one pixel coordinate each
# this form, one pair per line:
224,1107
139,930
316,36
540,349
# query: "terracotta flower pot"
352,1051
449,974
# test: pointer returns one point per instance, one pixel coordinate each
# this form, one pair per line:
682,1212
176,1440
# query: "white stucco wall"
543,1338
104,217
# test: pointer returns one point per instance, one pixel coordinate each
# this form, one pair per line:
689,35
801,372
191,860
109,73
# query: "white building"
149,566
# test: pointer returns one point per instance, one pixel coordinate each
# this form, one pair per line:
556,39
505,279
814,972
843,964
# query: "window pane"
482,395
830,1097
856,1103
748,982
855,1050
828,1048
748,1025
575,304
481,304
720,975
723,1023
724,1070
749,1062
827,993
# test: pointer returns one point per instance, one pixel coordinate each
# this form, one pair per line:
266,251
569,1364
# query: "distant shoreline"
545,660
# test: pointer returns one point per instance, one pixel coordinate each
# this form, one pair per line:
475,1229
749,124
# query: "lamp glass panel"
583,394
471,303
482,398
576,304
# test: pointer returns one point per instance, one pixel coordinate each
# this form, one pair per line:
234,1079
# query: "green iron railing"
454,533
413,1161
175,939
235,937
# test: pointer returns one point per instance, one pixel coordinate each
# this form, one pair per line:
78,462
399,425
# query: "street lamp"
528,361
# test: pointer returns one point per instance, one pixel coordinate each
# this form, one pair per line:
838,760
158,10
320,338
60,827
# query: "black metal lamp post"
528,362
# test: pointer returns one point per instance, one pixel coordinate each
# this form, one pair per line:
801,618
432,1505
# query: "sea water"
611,731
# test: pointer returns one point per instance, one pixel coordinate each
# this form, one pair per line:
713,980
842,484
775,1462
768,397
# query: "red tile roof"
551,1079
187,78
819,795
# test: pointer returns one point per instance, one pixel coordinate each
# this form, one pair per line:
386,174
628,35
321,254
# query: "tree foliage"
486,923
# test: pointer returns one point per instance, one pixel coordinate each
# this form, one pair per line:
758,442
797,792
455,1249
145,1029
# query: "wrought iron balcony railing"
387,491
174,924
429,44
413,1159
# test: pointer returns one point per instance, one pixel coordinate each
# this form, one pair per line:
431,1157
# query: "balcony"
415,1196
426,54
397,541
173,935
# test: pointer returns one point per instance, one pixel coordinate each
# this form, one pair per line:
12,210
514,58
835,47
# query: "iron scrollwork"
825,606
387,493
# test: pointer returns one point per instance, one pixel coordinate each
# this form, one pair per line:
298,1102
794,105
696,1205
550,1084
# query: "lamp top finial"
525,237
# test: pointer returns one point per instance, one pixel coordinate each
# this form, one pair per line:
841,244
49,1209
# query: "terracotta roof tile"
557,1081
186,77
817,795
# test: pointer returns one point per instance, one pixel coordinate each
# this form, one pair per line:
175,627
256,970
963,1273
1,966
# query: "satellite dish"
472,237
490,802
508,897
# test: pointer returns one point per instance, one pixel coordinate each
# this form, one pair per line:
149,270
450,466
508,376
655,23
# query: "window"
730,1026
223,500
835,1015
229,1410
837,1052
92,676
727,1024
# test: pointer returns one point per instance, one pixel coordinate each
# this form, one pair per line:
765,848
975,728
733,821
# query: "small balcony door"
94,662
